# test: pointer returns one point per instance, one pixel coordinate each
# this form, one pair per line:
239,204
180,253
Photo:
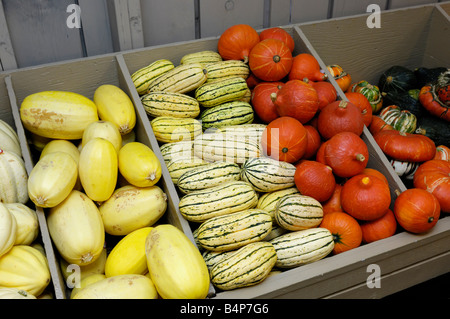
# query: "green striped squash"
302,247
218,92
217,146
246,131
232,231
297,212
268,201
170,104
400,120
228,113
209,175
142,77
179,166
225,69
173,150
227,198
268,175
181,79
174,129
248,266
203,57
213,257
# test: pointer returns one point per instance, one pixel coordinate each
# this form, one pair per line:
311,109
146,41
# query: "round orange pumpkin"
333,204
314,141
346,153
345,229
270,60
380,228
297,99
236,42
262,103
305,65
340,116
279,34
363,103
314,179
284,139
416,210
365,197
434,177
326,92
375,172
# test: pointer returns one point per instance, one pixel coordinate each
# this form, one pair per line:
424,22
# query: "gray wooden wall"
34,32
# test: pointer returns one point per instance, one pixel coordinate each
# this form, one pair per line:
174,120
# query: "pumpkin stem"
343,104
276,58
430,219
360,157
245,59
273,97
397,192
285,150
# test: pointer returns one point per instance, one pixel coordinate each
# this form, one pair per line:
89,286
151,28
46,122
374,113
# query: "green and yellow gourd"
181,79
204,57
209,175
267,175
174,150
232,231
142,77
298,212
246,131
218,92
248,266
174,129
226,114
221,70
170,104
218,146
302,247
179,166
227,198
400,120
268,201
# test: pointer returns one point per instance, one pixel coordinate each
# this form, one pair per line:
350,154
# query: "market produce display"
268,159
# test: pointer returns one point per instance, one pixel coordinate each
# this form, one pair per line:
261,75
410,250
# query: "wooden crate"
342,276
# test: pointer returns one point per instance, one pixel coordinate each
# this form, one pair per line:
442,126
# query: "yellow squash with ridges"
139,165
175,264
76,228
128,255
115,106
131,207
120,287
98,169
52,179
57,114
26,268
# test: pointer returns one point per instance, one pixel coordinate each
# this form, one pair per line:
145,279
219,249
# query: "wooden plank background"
34,32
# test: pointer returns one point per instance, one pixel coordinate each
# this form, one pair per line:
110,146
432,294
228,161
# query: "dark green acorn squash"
397,79
408,100
435,128
426,76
